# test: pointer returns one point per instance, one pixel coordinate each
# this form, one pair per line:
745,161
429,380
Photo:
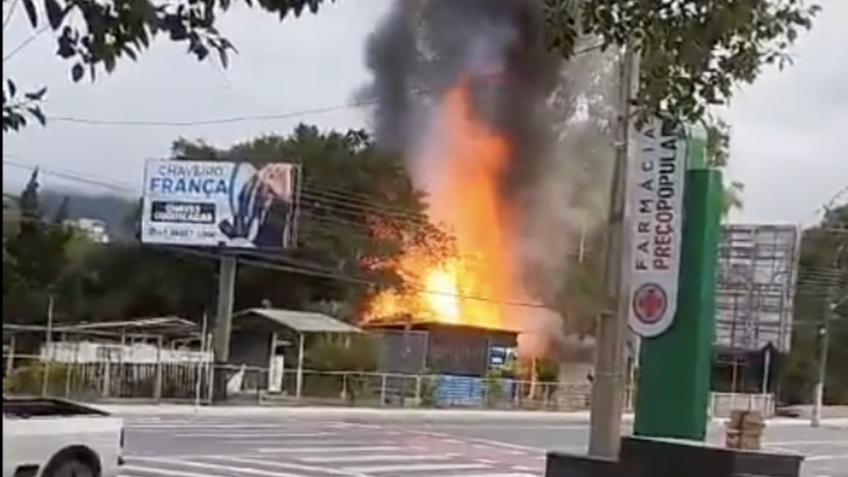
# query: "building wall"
94,229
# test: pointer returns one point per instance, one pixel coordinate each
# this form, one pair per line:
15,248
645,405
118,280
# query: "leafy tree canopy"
693,51
821,298
358,210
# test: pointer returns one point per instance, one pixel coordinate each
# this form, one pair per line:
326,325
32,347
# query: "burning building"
461,90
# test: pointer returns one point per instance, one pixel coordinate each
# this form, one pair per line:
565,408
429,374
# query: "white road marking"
160,471
379,469
282,465
257,435
335,459
319,450
208,466
493,475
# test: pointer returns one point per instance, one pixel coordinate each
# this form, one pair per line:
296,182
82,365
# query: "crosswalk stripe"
208,466
282,465
180,425
491,475
158,471
316,450
335,459
380,469
254,435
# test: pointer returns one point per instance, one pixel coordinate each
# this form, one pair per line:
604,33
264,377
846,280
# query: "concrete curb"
130,410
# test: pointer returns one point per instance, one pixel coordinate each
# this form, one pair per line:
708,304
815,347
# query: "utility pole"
833,302
609,380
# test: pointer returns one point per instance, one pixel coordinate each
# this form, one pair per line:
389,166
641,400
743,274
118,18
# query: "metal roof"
157,326
138,324
301,321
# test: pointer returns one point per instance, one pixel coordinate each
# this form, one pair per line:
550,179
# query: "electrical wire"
332,200
251,118
819,279
25,43
301,267
12,6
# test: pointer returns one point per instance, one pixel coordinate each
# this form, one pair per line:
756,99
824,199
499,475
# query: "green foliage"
112,31
30,379
693,52
348,190
494,387
341,353
718,157
821,294
19,109
427,389
34,259
115,30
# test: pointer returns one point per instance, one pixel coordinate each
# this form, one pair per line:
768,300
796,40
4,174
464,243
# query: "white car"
56,438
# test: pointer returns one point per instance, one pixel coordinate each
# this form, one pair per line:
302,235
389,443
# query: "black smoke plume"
423,48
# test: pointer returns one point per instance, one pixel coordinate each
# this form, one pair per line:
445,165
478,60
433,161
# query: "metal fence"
105,380
192,382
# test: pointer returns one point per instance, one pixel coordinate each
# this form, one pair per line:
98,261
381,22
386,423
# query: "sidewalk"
389,414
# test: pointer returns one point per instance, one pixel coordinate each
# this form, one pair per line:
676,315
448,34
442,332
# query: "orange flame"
465,289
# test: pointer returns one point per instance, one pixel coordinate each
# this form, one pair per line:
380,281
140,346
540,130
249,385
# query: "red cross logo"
650,302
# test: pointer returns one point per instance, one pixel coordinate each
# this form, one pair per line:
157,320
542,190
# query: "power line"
317,270
12,6
252,118
332,199
289,265
25,43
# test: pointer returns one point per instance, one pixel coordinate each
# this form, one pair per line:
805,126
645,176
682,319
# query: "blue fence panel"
452,390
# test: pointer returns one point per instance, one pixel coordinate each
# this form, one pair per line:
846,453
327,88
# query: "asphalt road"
295,446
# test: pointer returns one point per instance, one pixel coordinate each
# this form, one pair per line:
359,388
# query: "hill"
114,210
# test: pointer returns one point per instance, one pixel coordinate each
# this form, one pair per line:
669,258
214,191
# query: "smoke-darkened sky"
494,46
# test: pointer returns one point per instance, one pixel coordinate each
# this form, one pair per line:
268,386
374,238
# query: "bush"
494,390
428,390
30,379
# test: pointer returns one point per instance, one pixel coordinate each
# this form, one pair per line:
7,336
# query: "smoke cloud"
424,48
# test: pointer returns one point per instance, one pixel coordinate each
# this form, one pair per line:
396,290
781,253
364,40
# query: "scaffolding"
756,287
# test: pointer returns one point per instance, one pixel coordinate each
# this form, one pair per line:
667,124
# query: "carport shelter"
258,334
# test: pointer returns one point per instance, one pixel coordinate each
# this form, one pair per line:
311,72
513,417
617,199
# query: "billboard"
219,204
756,286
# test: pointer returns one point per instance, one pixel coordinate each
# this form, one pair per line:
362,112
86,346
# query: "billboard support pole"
224,320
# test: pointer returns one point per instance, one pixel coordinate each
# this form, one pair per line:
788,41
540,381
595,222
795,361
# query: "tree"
18,110
114,30
347,231
822,289
35,258
693,51
718,157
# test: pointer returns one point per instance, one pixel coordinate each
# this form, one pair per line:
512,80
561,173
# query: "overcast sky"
789,144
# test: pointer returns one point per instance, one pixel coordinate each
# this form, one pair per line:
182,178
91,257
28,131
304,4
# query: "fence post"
383,389
45,367
157,379
10,357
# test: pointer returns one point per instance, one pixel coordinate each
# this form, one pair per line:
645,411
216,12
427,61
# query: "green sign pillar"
673,387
